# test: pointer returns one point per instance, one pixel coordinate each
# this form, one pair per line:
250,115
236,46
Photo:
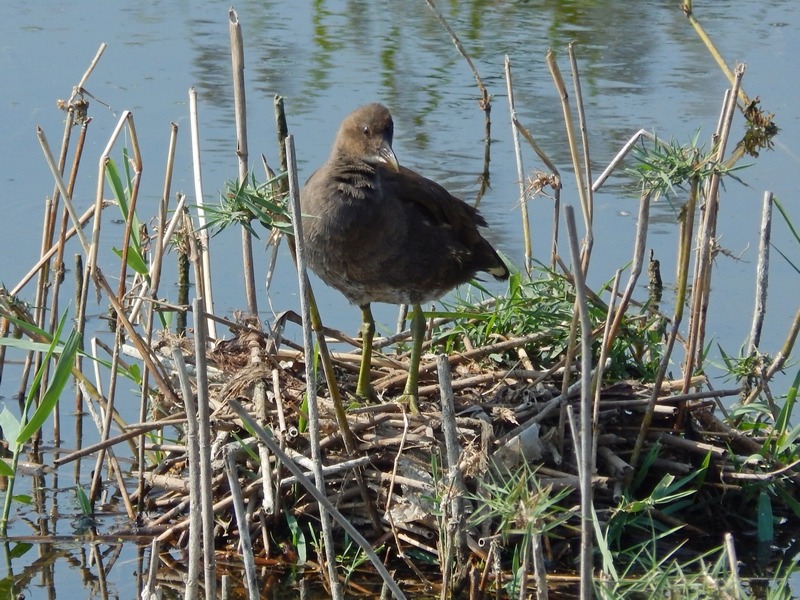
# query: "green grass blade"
61,377
10,426
785,415
135,260
765,519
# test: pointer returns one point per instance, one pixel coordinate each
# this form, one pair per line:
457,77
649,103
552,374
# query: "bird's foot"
409,400
365,394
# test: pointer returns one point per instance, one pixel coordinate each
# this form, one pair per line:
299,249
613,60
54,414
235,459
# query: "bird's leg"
364,388
411,391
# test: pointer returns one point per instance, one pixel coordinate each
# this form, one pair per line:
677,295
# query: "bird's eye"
366,130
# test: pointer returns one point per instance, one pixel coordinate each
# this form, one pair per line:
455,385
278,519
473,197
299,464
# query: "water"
641,64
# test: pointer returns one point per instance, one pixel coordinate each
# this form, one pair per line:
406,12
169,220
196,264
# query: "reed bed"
551,438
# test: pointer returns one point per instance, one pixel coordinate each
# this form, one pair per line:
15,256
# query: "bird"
380,232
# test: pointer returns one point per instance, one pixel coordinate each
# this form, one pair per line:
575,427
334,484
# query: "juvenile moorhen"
379,232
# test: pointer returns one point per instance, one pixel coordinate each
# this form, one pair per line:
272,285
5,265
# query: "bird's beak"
386,156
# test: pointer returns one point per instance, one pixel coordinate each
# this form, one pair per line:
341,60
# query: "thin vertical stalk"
762,273
639,247
311,385
251,581
203,284
164,232
206,472
778,360
523,205
733,565
684,255
582,186
240,111
555,183
94,247
58,264
153,285
149,590
105,430
193,454
586,444
605,349
707,239
50,272
283,130
587,163
453,500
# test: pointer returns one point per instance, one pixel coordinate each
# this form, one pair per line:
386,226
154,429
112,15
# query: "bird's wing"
433,202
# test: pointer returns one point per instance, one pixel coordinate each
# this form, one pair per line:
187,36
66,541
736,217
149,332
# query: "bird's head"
366,134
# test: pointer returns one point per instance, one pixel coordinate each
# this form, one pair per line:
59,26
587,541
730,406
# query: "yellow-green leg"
364,387
411,391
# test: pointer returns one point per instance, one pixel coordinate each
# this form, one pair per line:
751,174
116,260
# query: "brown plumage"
379,232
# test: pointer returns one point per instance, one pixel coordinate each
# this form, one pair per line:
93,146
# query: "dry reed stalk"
605,348
203,284
452,519
124,123
639,246
246,546
104,430
762,273
587,163
523,205
311,380
127,119
461,357
726,70
132,432
685,241
486,97
268,477
327,470
484,102
150,586
620,156
63,235
151,290
587,459
164,231
193,458
240,113
315,322
554,180
50,275
282,129
733,565
582,186
77,228
76,221
701,287
206,472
